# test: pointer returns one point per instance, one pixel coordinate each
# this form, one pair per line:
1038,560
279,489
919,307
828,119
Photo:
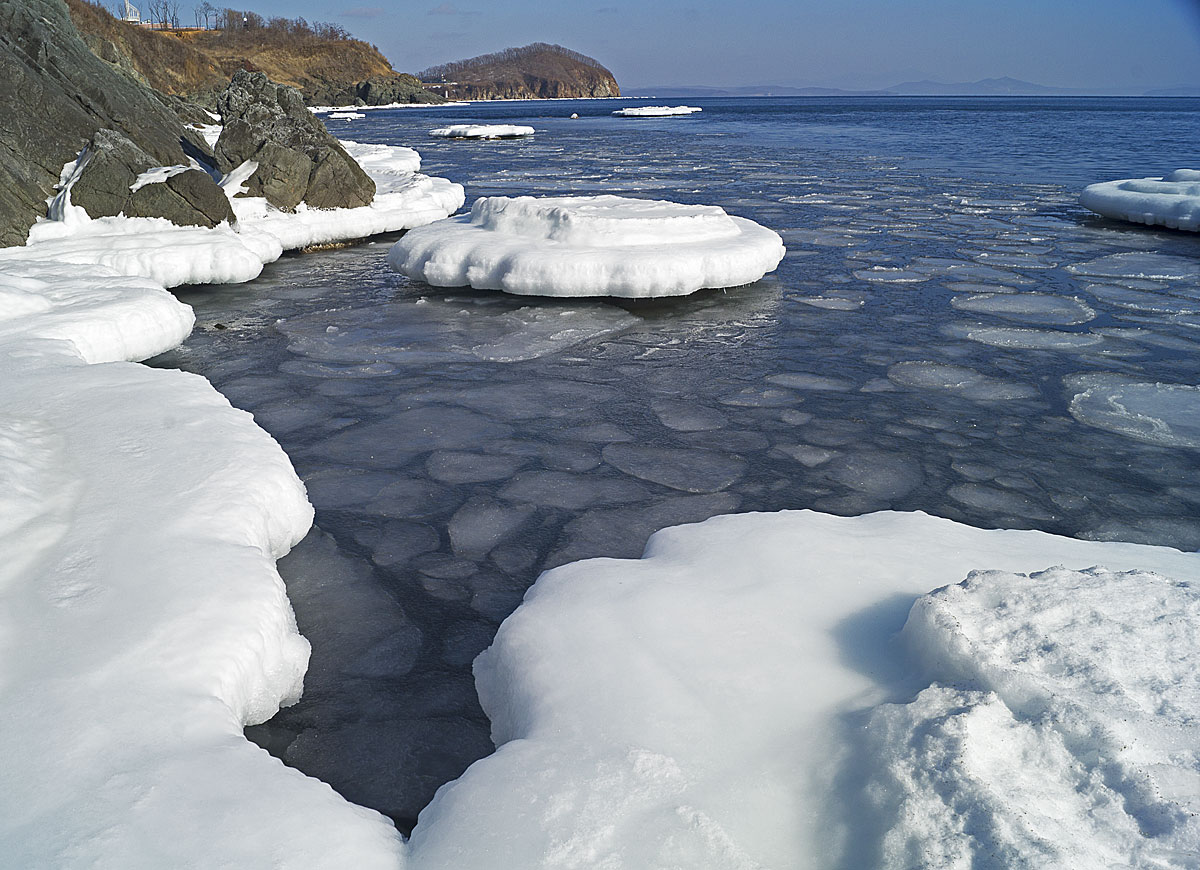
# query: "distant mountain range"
1005,86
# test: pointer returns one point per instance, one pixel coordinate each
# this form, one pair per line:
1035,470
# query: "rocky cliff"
537,71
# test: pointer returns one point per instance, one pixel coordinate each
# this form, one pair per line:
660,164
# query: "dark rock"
54,95
111,165
190,198
298,160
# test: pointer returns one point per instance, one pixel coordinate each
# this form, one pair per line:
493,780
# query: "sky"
1133,44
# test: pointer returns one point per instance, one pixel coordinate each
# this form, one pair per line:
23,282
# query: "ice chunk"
656,111
346,116
588,246
482,523
1141,266
890,275
1141,300
383,162
570,491
451,467
1165,414
1036,339
1171,201
482,131
817,383
965,381
1028,307
688,416
690,470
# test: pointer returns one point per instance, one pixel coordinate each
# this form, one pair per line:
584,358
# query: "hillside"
537,71
321,60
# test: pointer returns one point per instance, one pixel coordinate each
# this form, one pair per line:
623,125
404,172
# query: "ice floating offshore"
1171,201
588,246
656,111
482,131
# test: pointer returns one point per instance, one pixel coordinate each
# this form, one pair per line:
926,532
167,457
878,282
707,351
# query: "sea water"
950,332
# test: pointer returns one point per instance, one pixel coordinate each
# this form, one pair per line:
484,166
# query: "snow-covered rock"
656,111
1171,201
705,706
482,131
588,246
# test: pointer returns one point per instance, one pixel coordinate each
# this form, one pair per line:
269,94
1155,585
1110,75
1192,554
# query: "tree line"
165,14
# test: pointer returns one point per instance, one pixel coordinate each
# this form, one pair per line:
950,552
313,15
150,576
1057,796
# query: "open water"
950,332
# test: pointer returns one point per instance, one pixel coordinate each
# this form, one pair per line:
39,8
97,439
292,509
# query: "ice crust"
588,246
1170,201
679,749
482,131
656,111
1164,414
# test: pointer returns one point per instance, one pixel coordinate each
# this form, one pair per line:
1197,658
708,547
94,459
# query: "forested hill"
321,60
537,71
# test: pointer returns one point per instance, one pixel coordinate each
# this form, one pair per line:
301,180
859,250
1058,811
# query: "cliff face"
328,69
537,71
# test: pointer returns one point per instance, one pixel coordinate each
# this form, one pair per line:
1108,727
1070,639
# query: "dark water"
920,348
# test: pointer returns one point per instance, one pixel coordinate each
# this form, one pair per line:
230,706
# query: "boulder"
111,165
298,160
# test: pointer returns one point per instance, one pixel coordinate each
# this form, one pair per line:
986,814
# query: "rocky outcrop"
55,94
110,168
537,71
298,160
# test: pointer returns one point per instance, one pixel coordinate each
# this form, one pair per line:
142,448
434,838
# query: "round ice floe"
588,246
1138,266
1172,201
656,111
481,131
1165,414
1042,308
962,380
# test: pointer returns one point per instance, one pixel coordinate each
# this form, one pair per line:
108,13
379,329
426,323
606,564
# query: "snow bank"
144,624
704,706
481,131
588,246
656,111
1171,201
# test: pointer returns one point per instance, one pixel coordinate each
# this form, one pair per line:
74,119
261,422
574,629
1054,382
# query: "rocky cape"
537,71
61,104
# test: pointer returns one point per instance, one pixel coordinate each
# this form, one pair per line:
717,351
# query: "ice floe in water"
588,246
1028,307
482,131
962,380
1170,201
656,111
499,330
1140,266
1165,414
1036,339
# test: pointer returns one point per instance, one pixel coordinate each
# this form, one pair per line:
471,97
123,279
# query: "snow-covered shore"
144,624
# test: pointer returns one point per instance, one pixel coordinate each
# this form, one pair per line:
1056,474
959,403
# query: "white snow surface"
1170,201
656,111
704,706
482,131
588,246
142,621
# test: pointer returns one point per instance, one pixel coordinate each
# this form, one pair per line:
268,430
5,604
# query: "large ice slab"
482,131
728,674
656,111
588,246
1165,414
1170,201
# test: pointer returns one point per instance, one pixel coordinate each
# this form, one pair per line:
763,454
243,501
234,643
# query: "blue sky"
840,43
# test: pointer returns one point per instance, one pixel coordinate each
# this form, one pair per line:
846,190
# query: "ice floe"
1138,265
963,380
1028,307
681,749
588,246
656,111
346,116
1170,201
1165,414
482,131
